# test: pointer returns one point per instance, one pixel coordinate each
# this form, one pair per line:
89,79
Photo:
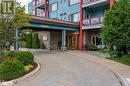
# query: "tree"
28,40
9,22
116,28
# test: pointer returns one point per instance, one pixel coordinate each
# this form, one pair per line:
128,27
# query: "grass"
124,60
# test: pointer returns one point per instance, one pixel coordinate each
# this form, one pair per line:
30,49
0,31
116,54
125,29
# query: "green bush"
27,68
25,57
28,40
92,47
35,41
5,53
11,70
22,44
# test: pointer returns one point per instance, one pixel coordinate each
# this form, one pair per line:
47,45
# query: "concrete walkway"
69,69
123,71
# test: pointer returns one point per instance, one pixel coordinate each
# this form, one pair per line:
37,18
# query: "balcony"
92,23
40,4
94,3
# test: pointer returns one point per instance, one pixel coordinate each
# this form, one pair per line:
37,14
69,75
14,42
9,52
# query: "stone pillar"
63,40
49,41
84,40
17,43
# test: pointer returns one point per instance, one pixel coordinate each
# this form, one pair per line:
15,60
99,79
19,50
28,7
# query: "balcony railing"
89,1
40,2
93,21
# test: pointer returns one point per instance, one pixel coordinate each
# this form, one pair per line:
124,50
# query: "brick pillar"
111,3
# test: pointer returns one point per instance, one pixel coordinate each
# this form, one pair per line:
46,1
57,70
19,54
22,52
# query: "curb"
12,82
122,79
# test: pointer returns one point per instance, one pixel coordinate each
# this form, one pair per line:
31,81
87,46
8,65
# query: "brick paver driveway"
62,69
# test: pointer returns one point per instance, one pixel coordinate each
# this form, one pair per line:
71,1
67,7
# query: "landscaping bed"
15,64
125,59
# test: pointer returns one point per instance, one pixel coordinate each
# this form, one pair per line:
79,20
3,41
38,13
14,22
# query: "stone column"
49,41
84,40
63,40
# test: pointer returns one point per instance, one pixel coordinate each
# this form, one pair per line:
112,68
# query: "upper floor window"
71,2
75,17
54,6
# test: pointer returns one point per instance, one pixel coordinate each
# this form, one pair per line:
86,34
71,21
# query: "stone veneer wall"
55,37
41,34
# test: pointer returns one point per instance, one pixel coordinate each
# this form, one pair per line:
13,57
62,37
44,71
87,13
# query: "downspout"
45,8
81,23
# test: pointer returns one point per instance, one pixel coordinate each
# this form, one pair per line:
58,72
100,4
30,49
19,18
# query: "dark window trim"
71,16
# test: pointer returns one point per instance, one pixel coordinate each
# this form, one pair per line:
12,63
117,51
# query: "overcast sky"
24,2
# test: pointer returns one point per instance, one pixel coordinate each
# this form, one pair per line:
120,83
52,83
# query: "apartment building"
93,15
58,10
69,10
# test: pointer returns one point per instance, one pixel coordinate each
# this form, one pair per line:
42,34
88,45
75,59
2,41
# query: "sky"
25,2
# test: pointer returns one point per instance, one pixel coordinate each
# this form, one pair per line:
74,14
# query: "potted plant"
12,55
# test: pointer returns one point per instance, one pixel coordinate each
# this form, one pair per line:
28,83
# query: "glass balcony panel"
89,1
95,20
40,2
101,19
86,22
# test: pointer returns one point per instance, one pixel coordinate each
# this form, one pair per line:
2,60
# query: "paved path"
123,71
65,69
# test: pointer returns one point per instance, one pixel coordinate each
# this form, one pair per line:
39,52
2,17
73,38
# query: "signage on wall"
44,38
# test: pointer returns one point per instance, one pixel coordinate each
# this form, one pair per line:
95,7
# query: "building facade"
59,10
67,10
90,14
93,15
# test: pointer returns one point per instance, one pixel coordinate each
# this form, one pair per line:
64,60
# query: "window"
54,6
63,16
71,2
96,40
75,17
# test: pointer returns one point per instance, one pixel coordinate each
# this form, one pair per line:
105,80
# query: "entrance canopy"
51,24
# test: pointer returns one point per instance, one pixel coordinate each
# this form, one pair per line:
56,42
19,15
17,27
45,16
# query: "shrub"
28,40
27,68
11,70
25,57
5,53
35,41
92,47
22,44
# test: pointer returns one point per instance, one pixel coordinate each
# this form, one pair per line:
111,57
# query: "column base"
48,48
63,48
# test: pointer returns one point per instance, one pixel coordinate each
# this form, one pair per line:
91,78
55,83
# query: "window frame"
51,7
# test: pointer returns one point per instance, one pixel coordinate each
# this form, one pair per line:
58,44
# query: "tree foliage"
9,22
116,28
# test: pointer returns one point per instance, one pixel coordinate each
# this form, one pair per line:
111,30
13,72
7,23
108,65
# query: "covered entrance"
56,34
